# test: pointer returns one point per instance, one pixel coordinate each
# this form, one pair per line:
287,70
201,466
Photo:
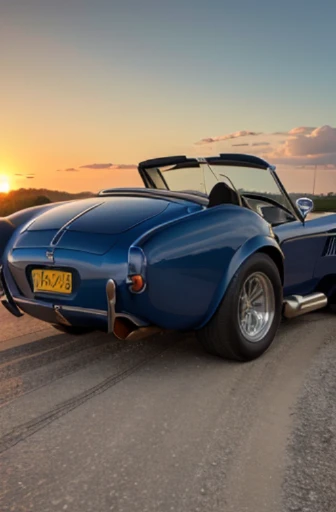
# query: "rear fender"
261,243
190,262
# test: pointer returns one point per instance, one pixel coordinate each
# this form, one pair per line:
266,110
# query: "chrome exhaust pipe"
123,326
125,329
297,305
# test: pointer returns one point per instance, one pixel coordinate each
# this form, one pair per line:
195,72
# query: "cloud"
124,166
96,166
234,135
28,176
307,146
70,169
302,130
109,166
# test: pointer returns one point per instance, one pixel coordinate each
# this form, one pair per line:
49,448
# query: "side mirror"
305,205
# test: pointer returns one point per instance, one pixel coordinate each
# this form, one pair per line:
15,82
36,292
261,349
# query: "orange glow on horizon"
4,185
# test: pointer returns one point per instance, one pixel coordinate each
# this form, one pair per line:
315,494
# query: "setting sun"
4,185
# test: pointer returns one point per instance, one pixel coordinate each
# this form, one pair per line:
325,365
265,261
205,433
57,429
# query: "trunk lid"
92,225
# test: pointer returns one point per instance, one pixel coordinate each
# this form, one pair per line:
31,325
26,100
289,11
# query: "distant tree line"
25,198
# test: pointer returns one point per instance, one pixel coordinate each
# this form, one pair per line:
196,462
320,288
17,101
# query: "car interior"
222,193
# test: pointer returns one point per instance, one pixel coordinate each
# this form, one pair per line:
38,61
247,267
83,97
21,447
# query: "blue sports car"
214,245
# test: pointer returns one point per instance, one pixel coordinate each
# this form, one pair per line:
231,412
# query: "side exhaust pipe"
297,305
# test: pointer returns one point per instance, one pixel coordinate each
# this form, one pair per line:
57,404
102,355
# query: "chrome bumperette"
111,302
139,326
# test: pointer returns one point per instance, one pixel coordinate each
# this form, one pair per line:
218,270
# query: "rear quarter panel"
191,261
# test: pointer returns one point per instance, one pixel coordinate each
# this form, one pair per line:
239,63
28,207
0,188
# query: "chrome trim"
100,312
331,247
305,211
256,307
297,305
296,212
136,321
28,224
60,317
31,302
97,312
234,188
111,312
111,302
67,224
304,236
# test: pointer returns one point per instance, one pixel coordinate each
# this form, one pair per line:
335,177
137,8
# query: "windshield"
201,178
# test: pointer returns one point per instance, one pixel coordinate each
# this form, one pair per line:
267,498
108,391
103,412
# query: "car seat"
221,193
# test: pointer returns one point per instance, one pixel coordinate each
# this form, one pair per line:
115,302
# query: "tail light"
136,269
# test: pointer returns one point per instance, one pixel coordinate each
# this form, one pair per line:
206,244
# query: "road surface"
91,424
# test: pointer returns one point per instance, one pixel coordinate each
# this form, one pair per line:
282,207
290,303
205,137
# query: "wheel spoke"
249,321
257,293
256,306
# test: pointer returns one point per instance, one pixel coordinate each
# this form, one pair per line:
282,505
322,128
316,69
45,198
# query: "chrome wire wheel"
256,307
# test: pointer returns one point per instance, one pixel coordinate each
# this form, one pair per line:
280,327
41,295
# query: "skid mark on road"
25,430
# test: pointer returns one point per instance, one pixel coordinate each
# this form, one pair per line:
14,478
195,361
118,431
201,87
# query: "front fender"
260,243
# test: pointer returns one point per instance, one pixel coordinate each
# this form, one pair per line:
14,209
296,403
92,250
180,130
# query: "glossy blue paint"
191,261
187,254
303,245
91,256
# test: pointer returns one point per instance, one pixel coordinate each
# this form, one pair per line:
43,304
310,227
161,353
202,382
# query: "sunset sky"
89,88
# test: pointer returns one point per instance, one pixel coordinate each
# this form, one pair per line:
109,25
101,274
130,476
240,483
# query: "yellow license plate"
53,281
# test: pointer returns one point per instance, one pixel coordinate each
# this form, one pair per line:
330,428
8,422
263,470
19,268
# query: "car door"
305,247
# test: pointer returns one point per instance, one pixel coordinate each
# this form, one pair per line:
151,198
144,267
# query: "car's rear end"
70,265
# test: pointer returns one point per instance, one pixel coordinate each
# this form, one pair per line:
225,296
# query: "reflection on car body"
211,244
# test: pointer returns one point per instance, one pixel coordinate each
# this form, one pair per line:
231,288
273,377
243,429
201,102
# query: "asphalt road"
90,424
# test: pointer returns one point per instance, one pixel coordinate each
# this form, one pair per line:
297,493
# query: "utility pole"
314,179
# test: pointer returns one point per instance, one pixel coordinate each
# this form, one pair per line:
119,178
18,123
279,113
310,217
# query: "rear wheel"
248,317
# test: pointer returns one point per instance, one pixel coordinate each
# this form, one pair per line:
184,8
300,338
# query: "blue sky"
120,81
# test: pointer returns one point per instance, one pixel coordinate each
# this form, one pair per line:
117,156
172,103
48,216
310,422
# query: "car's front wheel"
248,317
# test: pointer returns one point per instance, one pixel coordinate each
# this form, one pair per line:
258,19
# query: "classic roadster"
213,245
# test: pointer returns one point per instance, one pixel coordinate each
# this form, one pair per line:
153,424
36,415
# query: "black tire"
222,336
72,329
